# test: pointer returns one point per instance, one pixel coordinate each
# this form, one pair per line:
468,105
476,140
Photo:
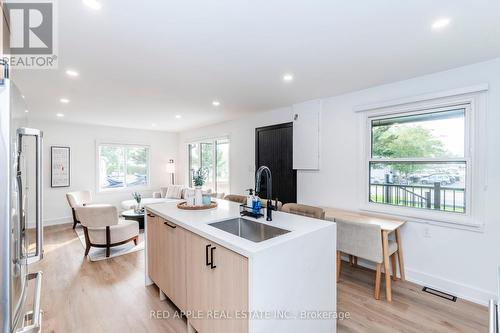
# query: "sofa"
171,193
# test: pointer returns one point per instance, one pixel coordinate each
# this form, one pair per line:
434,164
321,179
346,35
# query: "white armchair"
103,228
78,199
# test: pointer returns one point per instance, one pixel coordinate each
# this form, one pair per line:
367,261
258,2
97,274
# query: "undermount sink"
250,230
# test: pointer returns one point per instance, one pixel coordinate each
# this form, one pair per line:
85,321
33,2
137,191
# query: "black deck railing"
434,197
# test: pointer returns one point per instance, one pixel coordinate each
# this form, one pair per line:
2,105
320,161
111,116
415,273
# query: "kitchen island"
234,275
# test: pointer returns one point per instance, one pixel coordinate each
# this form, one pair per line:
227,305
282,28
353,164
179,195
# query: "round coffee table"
132,215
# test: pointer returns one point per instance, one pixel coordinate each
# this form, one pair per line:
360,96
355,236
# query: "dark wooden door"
274,149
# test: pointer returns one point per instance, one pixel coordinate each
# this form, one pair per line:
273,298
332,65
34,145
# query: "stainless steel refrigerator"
21,231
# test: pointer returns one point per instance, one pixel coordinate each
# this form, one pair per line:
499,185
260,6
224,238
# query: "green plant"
137,197
200,176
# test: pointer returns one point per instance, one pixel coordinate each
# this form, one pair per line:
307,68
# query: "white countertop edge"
298,226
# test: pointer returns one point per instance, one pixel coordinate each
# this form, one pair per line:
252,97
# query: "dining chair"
278,205
364,241
242,199
304,210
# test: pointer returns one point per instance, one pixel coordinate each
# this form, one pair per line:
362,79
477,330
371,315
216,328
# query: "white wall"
458,261
82,140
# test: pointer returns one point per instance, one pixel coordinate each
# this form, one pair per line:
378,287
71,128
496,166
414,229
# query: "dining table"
388,225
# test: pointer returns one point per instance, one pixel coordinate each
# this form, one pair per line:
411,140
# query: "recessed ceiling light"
153,125
26,111
288,77
24,97
178,116
60,115
441,23
64,100
215,103
93,4
72,73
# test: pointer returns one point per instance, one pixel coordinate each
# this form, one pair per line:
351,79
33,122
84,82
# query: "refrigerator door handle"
34,316
493,320
21,132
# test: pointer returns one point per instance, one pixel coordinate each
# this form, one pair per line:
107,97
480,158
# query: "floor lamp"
171,170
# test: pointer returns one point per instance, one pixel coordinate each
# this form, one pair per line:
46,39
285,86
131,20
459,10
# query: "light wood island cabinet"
167,259
217,285
225,283
198,276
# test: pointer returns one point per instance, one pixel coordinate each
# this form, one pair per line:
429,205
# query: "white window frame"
475,138
125,188
213,141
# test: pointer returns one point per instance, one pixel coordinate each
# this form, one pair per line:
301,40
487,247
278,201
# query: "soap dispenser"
256,205
250,198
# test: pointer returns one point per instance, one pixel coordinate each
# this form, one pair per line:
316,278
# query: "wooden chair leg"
75,221
355,260
108,241
136,238
394,269
351,260
378,274
400,255
87,240
339,264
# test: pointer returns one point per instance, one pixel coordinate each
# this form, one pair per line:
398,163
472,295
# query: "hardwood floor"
411,309
109,296
104,296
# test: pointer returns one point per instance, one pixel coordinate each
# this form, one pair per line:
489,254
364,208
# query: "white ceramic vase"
138,207
198,196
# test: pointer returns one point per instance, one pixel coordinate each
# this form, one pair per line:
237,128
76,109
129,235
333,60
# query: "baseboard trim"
56,221
467,292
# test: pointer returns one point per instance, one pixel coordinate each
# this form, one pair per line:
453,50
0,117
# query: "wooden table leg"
385,249
393,267
400,254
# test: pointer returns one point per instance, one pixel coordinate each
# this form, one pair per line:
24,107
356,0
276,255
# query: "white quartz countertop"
198,223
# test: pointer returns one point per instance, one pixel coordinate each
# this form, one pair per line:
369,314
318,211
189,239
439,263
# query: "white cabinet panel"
306,135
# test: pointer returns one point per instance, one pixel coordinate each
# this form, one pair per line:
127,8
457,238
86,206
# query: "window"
212,156
123,166
420,160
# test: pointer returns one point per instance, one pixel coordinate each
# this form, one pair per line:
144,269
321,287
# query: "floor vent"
440,294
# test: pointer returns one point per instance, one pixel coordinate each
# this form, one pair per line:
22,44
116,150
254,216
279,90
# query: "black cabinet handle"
171,226
208,263
151,215
212,266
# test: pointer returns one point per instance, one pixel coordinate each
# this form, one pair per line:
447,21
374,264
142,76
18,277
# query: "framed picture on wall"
59,166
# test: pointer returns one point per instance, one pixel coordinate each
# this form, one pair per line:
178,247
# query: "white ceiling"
143,62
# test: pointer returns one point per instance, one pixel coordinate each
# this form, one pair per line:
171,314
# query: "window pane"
111,168
433,186
137,166
431,135
207,163
222,166
194,161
